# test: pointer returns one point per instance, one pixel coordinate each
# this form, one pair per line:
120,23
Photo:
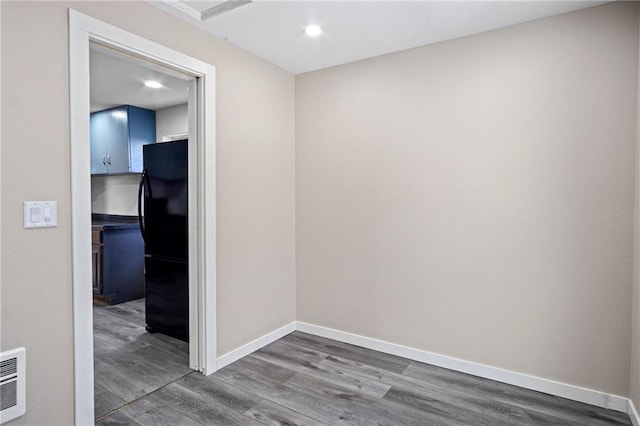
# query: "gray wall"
172,121
255,133
474,198
635,322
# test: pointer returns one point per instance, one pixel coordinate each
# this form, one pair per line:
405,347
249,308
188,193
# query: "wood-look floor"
130,363
304,380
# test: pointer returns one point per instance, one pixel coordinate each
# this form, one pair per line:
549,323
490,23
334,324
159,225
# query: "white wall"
255,188
116,194
172,121
474,198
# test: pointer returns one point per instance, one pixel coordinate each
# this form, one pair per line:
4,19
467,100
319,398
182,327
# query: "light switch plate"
40,214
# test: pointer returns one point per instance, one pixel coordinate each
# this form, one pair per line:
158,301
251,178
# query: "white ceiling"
354,30
117,79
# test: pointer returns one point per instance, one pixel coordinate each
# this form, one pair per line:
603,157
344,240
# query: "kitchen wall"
172,121
116,194
474,198
255,241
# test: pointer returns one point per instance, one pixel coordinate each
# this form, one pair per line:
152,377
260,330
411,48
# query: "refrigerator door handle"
143,178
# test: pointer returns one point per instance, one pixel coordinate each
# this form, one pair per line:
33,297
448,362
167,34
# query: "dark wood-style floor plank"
200,407
392,363
132,311
424,394
270,413
360,409
117,419
120,383
105,401
241,374
303,360
130,363
220,392
306,380
150,411
541,407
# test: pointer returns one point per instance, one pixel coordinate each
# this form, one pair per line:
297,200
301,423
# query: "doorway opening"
140,235
86,33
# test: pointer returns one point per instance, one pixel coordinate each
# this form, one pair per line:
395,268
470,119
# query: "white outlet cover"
40,214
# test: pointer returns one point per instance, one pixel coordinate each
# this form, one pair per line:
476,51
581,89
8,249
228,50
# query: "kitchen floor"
130,363
306,380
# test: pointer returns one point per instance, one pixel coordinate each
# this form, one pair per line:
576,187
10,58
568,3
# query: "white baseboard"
526,381
564,390
633,414
254,345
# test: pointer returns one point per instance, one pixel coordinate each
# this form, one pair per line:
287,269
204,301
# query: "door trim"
84,29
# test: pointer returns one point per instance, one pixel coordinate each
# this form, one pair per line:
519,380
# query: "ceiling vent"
12,384
220,8
223,7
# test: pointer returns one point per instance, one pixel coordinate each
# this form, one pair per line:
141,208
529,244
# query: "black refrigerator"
163,217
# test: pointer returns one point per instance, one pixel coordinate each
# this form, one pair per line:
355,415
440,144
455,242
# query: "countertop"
110,222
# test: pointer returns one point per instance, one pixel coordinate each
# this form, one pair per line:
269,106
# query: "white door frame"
202,286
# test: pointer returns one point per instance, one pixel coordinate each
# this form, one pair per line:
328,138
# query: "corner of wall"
634,385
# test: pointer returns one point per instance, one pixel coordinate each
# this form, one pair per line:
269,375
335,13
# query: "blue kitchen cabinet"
117,137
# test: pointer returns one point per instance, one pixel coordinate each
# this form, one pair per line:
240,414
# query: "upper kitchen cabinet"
117,137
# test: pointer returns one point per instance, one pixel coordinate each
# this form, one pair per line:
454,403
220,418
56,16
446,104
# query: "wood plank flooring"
306,380
130,363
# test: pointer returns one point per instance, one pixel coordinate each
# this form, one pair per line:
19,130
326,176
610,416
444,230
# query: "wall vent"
12,384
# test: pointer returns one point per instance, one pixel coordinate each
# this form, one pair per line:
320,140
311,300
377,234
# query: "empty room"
328,213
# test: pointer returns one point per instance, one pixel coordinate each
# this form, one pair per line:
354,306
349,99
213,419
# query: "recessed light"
313,30
152,84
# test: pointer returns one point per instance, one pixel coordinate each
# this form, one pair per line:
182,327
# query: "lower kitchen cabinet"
118,263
